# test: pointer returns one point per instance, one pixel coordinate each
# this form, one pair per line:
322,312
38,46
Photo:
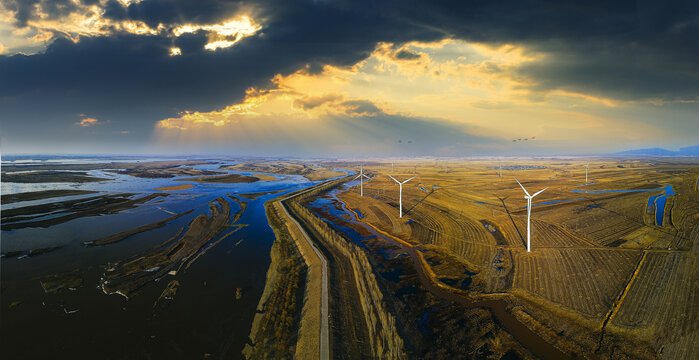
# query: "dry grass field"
602,260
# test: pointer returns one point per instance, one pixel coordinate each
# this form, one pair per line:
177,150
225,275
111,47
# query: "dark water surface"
204,318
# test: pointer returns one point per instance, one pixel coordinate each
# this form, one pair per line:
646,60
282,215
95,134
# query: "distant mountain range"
686,151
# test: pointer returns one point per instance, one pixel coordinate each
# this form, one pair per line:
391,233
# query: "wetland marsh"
119,269
176,266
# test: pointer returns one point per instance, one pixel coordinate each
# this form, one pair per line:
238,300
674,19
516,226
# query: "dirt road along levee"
317,282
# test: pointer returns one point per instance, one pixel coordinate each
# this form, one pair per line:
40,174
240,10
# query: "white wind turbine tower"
361,177
400,193
529,211
586,167
500,169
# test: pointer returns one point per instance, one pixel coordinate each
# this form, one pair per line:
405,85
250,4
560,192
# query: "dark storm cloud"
628,50
23,10
115,10
620,71
405,54
621,49
112,76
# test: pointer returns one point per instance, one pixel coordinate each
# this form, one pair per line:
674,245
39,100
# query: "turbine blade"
540,191
394,179
520,185
409,179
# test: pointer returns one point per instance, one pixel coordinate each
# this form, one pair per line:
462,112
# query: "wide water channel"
209,316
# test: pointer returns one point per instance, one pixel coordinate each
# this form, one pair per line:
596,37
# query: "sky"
347,78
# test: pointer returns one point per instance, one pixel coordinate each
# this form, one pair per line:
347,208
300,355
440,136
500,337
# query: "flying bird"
524,139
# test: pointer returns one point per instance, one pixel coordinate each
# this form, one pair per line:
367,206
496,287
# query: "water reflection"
207,316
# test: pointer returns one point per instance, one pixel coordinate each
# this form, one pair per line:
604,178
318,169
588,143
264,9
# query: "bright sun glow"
175,51
222,35
89,20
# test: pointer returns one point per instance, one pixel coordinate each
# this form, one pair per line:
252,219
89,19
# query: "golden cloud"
405,60
218,118
87,20
222,35
87,122
469,85
312,102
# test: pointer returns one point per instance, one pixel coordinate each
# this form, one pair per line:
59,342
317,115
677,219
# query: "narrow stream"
656,202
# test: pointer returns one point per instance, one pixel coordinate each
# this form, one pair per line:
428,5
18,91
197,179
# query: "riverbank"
292,288
274,331
358,314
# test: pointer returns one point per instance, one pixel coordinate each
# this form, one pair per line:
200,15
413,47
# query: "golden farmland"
602,276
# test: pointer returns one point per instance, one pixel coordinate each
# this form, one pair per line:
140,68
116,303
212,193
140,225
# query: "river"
204,318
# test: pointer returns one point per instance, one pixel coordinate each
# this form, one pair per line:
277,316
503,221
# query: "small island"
226,179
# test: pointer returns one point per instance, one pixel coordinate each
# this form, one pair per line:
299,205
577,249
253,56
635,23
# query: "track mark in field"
619,301
420,202
524,243
379,214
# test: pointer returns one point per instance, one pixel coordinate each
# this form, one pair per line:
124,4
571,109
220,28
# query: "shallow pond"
656,202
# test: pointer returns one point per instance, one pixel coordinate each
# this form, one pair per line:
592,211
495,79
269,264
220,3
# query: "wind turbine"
500,169
586,167
529,211
361,177
400,193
